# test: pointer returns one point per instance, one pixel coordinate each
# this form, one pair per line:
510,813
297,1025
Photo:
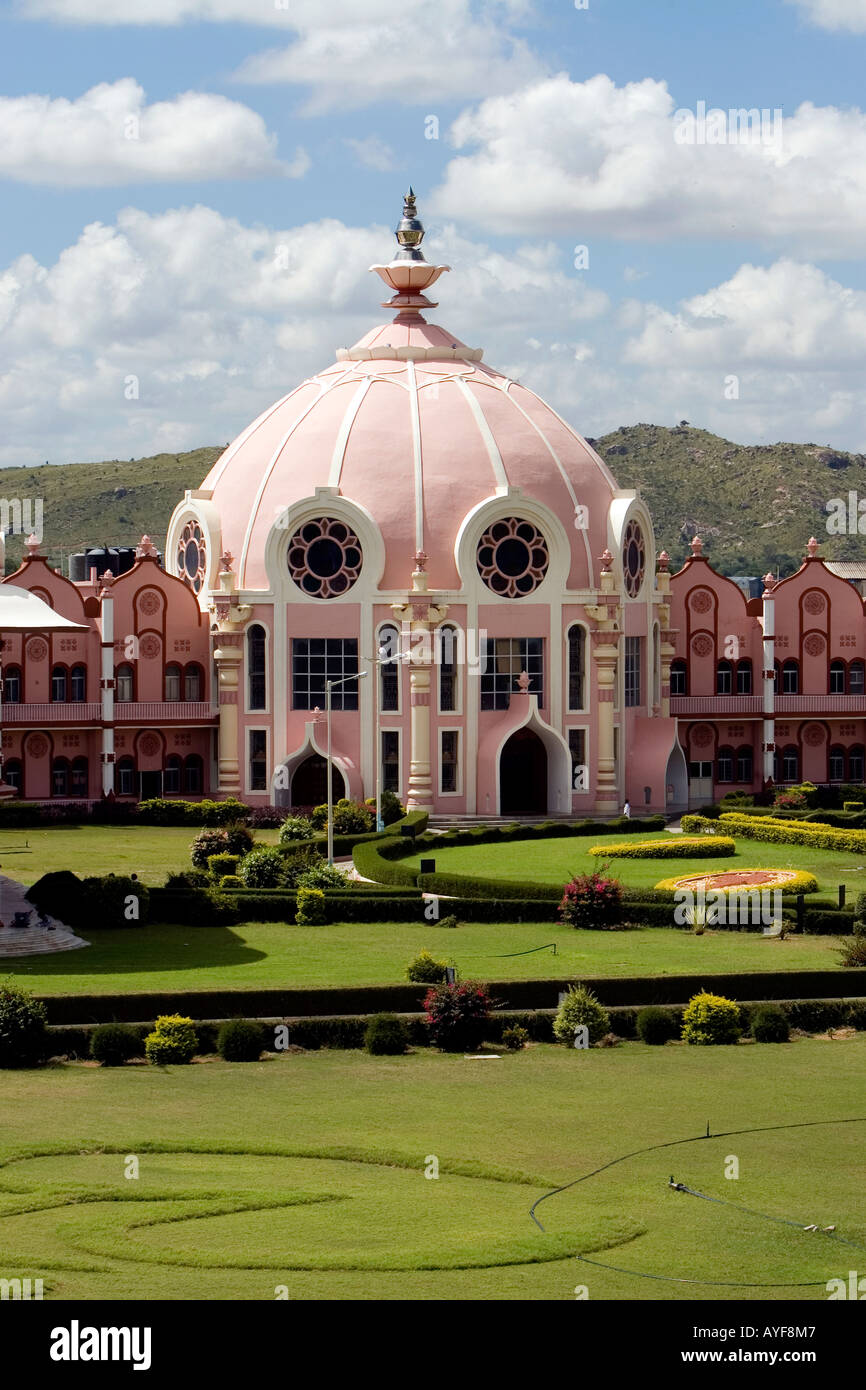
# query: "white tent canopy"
21,611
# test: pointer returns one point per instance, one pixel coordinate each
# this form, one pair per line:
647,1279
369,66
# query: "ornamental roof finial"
410,231
664,561
697,548
32,546
812,547
606,561
409,274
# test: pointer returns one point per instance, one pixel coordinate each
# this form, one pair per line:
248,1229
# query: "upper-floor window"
12,685
316,660
504,661
724,678
744,677
389,670
679,678
78,684
124,687
632,671
172,683
855,678
256,647
58,685
791,678
192,683
446,638
576,666
837,678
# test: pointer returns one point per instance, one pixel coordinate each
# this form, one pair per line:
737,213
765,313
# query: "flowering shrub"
710,1018
226,839
592,900
456,1015
296,828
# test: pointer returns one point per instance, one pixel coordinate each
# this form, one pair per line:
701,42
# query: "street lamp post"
329,686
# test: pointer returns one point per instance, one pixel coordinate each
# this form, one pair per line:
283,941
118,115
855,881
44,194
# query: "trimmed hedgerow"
656,1025
112,1044
717,847
241,1040
386,1036
311,907
769,1024
794,832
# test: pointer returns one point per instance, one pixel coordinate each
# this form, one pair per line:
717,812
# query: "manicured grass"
273,954
308,1171
151,851
556,860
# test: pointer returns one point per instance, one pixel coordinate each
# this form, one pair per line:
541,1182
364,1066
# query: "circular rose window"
192,555
325,557
633,559
512,557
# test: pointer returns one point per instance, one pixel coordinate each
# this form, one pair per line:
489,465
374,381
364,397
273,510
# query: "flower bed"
699,847
733,881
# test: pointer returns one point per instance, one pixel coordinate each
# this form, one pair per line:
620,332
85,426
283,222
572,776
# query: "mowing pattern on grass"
268,1218
802,1250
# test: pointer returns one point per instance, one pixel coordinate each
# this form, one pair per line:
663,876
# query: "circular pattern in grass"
737,880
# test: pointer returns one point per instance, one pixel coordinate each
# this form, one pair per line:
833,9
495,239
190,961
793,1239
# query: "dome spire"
409,273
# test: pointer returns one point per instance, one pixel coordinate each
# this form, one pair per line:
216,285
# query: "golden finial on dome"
410,231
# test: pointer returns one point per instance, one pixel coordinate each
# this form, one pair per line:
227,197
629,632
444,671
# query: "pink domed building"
430,536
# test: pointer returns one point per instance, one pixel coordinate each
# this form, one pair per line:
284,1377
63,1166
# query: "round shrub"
457,1015
241,1040
657,1026
23,1039
425,969
296,828
173,1040
515,1038
219,865
710,1018
321,874
450,921
230,881
580,1007
265,867
592,901
112,1044
224,839
769,1025
386,1036
311,907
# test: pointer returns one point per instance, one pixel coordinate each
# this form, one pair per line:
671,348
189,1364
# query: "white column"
107,689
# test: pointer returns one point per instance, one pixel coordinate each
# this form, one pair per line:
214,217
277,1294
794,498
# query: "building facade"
429,536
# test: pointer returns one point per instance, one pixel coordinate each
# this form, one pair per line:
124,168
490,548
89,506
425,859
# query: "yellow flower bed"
678,847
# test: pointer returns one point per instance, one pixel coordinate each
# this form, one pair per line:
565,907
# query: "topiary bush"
769,1025
657,1026
230,881
456,1015
112,1044
23,1039
218,865
425,969
515,1038
386,1036
311,908
580,1007
296,828
241,1040
710,1019
592,901
173,1041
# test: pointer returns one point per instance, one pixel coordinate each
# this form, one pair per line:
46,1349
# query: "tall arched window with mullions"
576,666
256,667
446,654
389,668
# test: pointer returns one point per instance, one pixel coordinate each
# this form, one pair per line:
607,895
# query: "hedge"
793,832
704,847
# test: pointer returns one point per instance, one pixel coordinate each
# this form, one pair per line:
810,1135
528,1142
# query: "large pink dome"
411,425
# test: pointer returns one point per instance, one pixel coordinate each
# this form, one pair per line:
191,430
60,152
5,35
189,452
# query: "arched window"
389,671
12,685
791,678
744,676
125,777
172,776
724,678
679,677
172,683
124,685
790,764
60,777
745,764
78,684
836,764
12,774
192,682
576,666
79,777
256,657
725,765
58,684
446,638
192,775
855,763
837,678
855,678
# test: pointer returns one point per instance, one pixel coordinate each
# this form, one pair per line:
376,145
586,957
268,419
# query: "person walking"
626,810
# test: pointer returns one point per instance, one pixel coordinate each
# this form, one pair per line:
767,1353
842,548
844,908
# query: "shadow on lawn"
141,951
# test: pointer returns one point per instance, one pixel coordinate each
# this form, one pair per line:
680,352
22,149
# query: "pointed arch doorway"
523,775
310,782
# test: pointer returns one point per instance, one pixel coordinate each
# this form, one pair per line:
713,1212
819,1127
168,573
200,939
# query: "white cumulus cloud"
110,136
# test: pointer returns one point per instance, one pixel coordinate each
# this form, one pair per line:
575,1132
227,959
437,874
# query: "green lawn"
556,860
307,1171
151,851
273,954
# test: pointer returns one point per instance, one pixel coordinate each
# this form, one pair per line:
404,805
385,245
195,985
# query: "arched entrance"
523,775
310,782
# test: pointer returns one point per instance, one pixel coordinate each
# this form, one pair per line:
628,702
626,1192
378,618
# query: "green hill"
754,506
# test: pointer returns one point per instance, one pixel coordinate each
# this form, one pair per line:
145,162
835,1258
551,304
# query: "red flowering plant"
592,901
456,1015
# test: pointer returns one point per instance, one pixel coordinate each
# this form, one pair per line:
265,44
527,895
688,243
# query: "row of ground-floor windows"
71,777
737,765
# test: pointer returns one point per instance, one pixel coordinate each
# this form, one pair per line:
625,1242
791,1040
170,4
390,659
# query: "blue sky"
261,127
